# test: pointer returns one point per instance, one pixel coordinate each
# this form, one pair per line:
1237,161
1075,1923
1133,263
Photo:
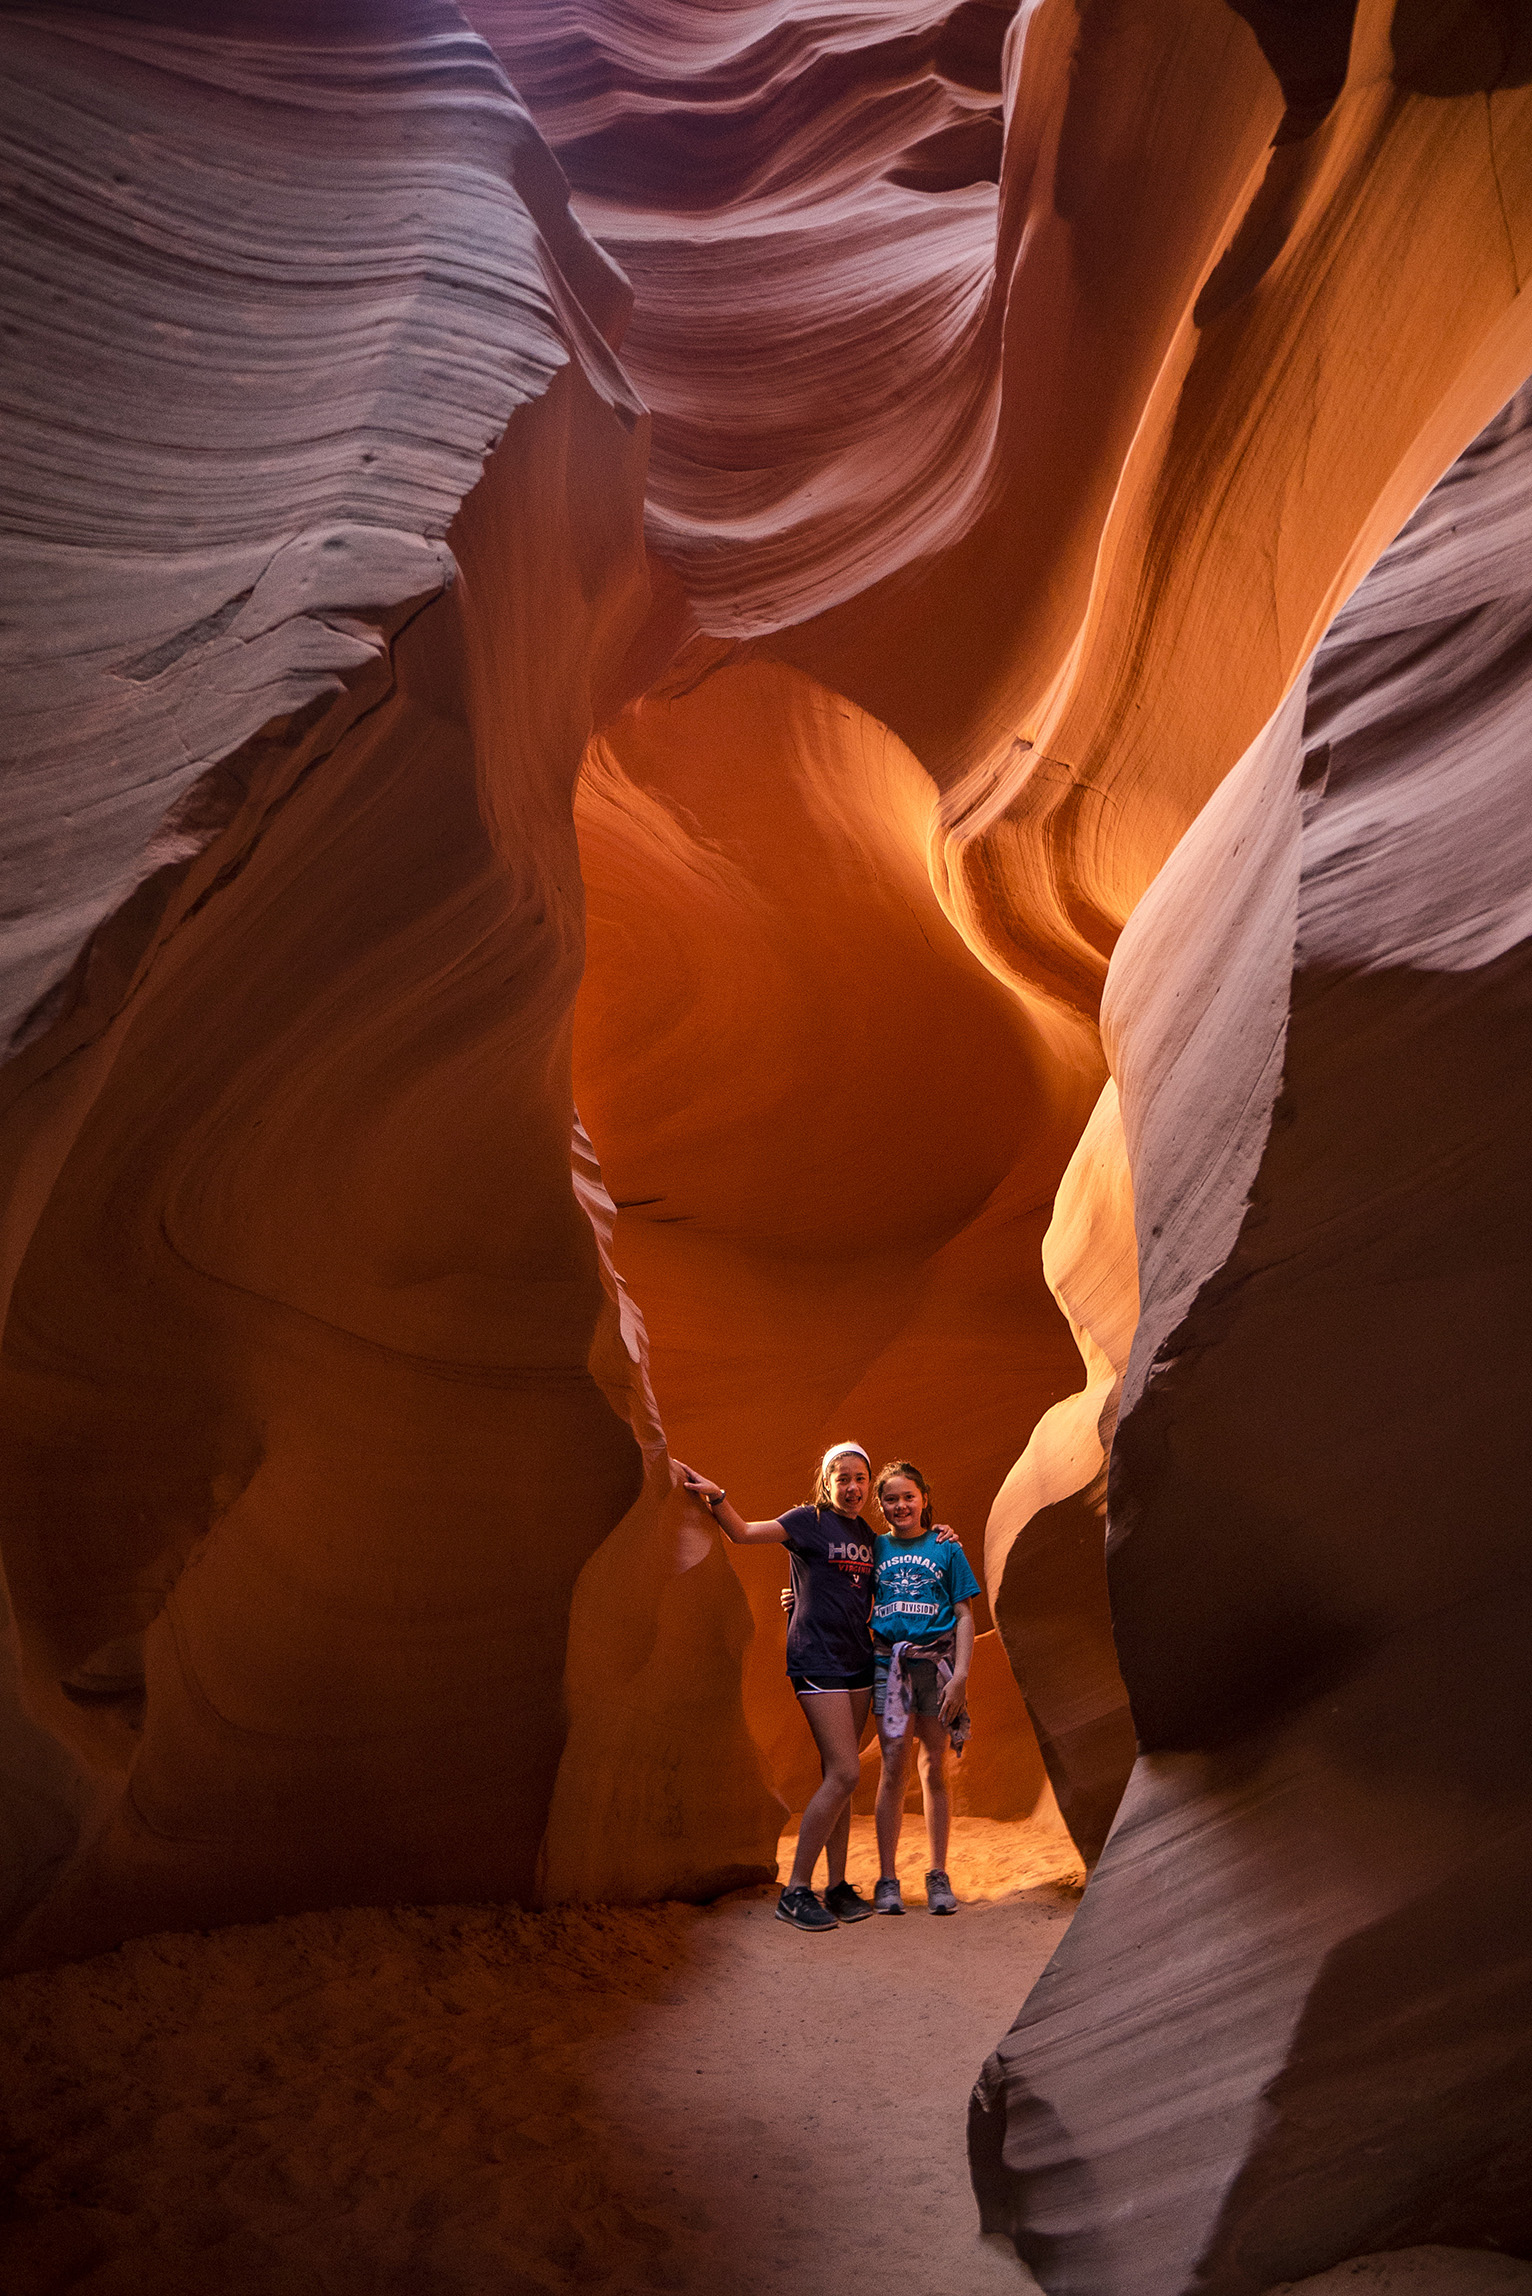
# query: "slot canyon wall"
737,723
1318,1576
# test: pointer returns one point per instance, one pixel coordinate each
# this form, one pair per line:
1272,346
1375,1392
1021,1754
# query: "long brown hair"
905,1467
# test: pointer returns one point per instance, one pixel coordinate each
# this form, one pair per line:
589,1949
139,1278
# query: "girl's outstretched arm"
727,1516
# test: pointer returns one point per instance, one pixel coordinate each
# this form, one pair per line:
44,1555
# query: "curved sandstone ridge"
267,347
805,203
1044,1548
1318,1020
874,597
1175,392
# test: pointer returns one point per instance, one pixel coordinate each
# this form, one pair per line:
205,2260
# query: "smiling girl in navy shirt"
829,1660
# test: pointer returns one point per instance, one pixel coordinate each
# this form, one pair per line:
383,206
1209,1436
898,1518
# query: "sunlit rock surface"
1045,1558
748,638
1294,2017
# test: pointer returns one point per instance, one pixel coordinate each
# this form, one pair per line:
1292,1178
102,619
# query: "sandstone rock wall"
1045,1549
924,593
1291,2021
312,1391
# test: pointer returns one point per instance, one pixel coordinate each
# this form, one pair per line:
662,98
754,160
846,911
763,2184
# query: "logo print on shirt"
905,1580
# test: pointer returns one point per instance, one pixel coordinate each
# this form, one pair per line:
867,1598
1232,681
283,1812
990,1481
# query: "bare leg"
838,1840
933,1787
890,1806
837,1719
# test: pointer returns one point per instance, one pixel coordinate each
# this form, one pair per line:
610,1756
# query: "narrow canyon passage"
735,727
475,2101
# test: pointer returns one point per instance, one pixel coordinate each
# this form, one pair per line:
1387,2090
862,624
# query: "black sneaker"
939,1895
844,1903
803,1909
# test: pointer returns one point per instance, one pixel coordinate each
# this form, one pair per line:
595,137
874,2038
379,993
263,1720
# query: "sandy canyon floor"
473,2101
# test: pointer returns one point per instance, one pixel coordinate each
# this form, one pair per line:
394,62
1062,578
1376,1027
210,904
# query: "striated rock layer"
1294,2018
316,1403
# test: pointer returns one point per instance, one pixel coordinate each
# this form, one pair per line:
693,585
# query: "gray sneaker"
886,1898
939,1895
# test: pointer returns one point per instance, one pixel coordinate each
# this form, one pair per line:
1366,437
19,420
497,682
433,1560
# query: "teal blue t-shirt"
917,1585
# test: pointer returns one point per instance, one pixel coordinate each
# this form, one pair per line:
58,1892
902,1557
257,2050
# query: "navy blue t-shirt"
832,1592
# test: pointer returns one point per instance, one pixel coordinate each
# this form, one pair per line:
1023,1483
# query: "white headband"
837,1451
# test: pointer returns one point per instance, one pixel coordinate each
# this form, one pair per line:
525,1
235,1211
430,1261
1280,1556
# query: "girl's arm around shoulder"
727,1516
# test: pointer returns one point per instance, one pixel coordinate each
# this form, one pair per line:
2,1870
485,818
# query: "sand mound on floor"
476,2101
